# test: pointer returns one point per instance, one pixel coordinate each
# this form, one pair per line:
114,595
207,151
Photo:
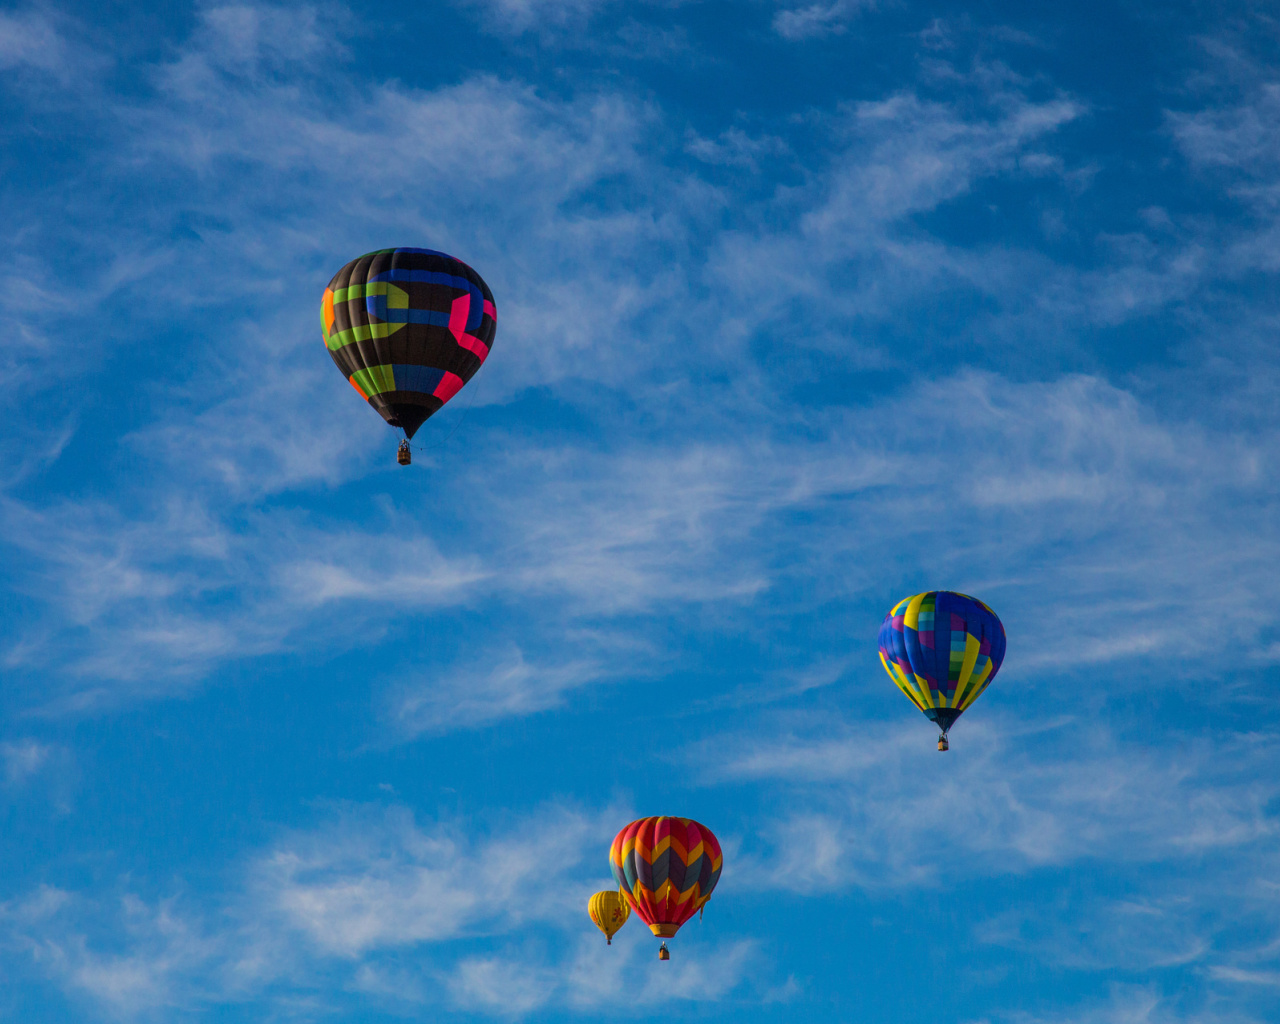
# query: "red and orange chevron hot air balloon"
666,868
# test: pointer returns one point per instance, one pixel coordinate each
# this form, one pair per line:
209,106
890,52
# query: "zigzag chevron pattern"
667,868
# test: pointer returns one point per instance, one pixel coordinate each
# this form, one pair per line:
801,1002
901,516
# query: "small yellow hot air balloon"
609,911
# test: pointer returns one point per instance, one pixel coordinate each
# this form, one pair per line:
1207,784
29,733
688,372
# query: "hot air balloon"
666,868
942,649
407,328
609,911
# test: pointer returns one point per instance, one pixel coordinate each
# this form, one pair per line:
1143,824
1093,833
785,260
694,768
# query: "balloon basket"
943,744
402,454
663,952
608,940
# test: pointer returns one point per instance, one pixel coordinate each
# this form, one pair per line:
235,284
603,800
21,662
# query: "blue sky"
803,307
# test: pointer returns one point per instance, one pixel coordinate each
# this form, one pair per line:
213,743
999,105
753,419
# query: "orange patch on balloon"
326,311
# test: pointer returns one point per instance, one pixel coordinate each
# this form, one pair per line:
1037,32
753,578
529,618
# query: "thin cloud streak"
599,536
813,21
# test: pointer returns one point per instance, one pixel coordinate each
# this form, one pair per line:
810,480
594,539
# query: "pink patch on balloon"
459,313
450,384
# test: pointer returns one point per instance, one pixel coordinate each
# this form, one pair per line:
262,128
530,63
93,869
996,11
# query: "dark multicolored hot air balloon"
608,911
408,328
942,649
666,868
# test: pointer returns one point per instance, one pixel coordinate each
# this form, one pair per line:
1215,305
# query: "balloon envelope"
408,328
609,911
667,867
942,649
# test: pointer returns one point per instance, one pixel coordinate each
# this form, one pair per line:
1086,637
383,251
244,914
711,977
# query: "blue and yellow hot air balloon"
942,650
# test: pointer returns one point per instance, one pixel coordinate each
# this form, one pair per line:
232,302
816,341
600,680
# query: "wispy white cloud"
851,259
370,882
1238,137
598,535
1141,1004
1237,143
1170,848
515,17
348,895
30,39
245,37
1139,934
810,21
23,759
882,808
735,147
1267,979
147,966
501,986
512,686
